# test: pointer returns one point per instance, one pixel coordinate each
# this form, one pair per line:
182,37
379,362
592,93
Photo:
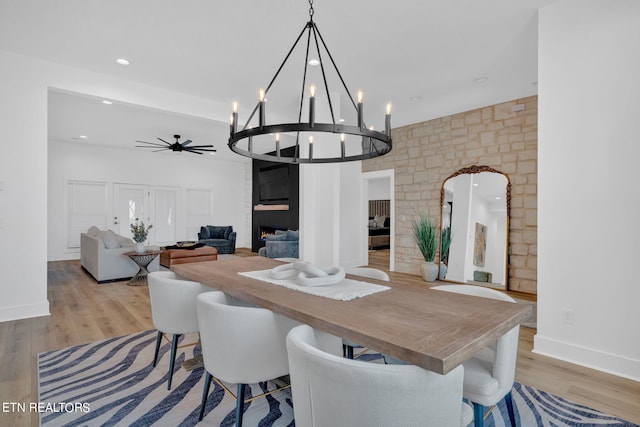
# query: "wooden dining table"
433,329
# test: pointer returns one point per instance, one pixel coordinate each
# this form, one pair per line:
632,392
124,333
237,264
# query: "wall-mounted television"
273,183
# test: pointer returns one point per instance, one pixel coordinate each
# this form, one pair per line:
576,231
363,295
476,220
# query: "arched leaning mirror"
474,223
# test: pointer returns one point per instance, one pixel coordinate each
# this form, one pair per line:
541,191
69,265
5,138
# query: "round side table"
142,260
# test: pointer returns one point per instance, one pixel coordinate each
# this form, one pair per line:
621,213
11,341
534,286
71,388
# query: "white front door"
130,201
162,215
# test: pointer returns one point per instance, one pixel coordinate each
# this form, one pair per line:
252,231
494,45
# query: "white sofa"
101,254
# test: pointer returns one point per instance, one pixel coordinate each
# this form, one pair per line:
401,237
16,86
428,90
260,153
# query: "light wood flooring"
83,311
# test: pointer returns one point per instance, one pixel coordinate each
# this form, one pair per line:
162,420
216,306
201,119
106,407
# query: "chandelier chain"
311,10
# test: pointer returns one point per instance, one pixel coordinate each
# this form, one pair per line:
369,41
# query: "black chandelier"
368,143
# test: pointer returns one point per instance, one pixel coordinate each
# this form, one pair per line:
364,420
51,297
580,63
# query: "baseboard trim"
24,311
610,363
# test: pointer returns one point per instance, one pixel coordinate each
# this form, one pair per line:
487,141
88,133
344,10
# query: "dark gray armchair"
222,238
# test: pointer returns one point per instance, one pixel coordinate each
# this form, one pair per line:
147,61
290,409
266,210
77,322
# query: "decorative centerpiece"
140,233
425,234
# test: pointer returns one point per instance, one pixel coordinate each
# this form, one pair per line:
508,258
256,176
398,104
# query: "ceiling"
423,56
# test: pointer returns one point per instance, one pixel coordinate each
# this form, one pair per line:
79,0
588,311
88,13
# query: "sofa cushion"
278,237
109,239
219,232
93,231
293,235
204,233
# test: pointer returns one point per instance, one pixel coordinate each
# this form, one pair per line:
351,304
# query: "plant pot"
140,248
443,271
429,271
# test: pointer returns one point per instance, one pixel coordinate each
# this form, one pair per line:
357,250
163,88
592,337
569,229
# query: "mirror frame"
471,170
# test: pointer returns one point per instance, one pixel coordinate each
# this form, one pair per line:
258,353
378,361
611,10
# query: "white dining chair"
490,373
173,312
240,345
329,390
371,273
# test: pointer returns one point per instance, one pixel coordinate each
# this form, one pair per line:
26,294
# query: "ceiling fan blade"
151,143
208,150
201,146
187,142
162,149
189,150
164,141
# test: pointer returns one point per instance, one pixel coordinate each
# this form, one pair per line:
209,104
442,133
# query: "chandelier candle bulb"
278,145
261,101
387,120
360,112
251,144
312,106
311,147
342,150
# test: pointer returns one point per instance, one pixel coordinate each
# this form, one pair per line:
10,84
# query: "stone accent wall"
425,154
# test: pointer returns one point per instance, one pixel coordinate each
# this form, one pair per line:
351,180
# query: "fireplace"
265,230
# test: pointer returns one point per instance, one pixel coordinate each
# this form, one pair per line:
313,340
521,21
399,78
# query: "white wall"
379,189
83,162
23,196
23,165
589,150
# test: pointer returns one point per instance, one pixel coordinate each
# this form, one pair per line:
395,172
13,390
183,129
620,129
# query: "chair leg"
478,415
172,361
240,405
205,394
349,352
509,402
158,342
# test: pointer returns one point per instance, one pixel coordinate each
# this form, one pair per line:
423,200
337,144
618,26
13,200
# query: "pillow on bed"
379,220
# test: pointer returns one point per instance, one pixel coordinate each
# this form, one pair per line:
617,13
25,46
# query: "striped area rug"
112,383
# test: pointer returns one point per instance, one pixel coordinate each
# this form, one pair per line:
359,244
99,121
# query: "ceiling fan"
177,146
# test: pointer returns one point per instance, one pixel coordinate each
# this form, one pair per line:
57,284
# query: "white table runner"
346,290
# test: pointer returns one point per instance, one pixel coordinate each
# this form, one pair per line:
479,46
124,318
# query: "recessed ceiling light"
475,184
497,198
106,101
122,61
341,120
314,61
480,79
83,137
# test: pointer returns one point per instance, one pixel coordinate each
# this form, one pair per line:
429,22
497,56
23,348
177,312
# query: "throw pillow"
372,223
93,231
216,232
293,235
276,237
204,233
379,220
227,232
109,238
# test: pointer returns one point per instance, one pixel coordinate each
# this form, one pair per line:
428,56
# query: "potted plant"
140,233
425,234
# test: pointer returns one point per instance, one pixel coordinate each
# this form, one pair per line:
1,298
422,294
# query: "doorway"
380,186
